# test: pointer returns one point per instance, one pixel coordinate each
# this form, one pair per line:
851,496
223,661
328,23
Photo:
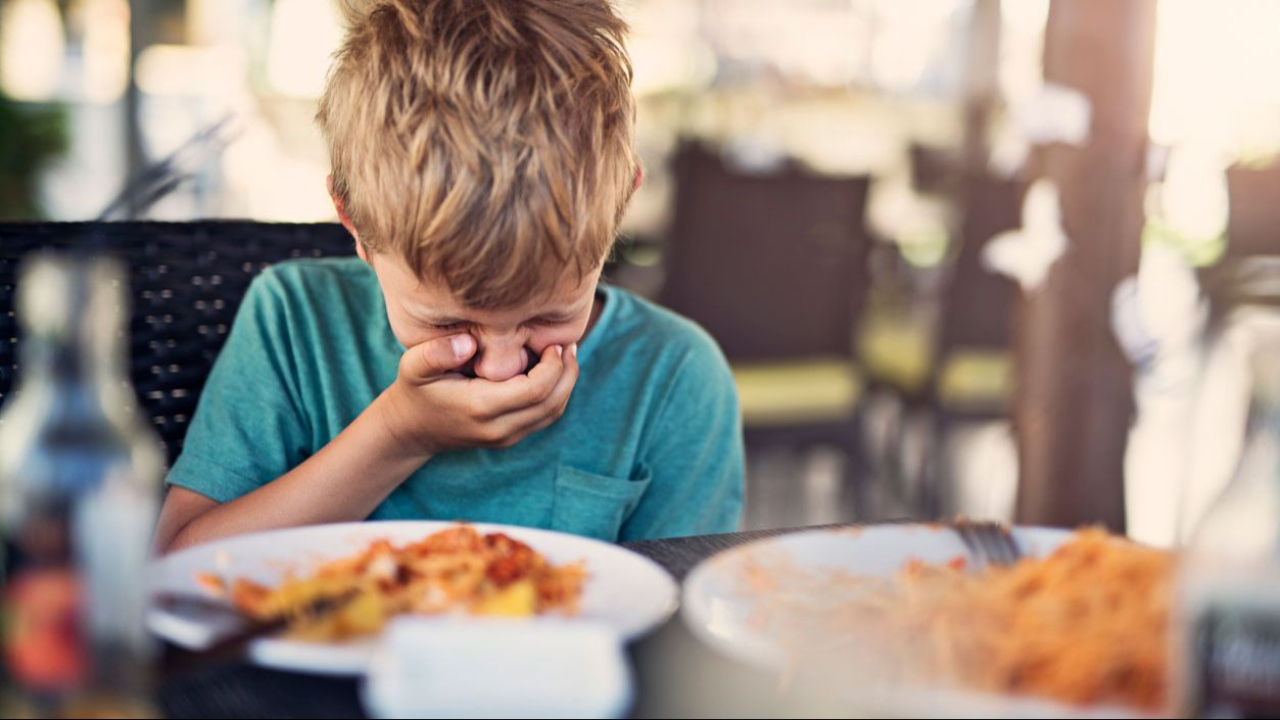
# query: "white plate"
625,591
724,614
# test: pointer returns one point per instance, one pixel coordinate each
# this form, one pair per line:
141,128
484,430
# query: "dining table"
674,673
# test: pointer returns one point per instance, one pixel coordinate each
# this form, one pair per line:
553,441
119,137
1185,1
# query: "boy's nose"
498,363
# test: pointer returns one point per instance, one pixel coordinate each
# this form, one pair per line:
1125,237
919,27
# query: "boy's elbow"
181,509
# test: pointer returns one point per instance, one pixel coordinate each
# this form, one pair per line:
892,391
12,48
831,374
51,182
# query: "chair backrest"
187,280
773,265
977,310
1253,225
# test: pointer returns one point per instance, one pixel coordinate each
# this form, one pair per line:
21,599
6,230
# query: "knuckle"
475,408
492,434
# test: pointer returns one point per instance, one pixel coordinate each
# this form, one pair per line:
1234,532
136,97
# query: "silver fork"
989,543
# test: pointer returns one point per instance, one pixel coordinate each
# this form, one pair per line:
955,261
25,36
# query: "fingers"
526,421
500,398
500,414
428,360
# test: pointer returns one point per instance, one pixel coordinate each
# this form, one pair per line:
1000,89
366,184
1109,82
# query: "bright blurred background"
890,395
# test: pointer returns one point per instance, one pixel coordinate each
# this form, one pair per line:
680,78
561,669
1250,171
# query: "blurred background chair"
973,381
1253,223
1250,265
774,265
953,370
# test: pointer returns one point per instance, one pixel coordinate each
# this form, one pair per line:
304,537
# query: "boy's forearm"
343,482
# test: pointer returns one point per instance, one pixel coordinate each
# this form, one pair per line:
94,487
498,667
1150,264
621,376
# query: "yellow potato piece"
365,614
518,599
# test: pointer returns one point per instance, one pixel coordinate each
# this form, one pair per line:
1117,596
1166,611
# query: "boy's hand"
430,407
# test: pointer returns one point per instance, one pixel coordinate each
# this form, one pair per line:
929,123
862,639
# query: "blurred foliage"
30,136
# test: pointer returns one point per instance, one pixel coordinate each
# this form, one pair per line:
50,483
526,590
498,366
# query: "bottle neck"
1240,530
72,312
90,364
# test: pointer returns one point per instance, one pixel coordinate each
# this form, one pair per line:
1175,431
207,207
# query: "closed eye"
549,321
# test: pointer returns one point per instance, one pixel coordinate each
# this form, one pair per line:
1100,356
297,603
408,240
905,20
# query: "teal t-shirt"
650,445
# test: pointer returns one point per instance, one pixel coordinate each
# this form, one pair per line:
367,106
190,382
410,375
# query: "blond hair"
487,142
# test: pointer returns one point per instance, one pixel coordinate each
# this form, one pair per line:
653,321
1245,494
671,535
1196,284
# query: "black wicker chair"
187,282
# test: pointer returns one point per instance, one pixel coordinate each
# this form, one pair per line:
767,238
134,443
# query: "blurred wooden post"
982,84
1074,401
141,24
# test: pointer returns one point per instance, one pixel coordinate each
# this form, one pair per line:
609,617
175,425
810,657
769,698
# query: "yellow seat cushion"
897,350
976,378
798,392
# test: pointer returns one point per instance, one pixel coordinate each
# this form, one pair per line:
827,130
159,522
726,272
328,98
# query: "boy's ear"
639,178
345,219
340,205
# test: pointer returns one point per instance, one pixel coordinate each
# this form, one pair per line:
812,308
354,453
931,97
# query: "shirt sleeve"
694,454
249,427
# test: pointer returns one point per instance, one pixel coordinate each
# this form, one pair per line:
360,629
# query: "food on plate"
457,570
1086,624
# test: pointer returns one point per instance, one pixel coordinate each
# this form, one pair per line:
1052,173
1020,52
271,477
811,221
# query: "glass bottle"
1226,658
80,483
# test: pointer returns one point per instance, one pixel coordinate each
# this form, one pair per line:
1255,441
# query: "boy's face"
507,341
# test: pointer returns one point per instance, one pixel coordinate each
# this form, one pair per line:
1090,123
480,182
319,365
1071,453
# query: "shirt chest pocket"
595,505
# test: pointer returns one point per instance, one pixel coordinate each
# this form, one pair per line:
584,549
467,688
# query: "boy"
467,364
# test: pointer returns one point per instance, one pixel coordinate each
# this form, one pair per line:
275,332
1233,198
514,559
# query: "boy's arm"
345,481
